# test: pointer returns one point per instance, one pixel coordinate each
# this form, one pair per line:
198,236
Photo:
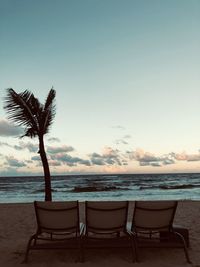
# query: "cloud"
61,149
180,156
142,156
127,136
97,160
124,162
149,159
12,162
22,145
186,157
194,157
120,127
143,164
69,160
54,163
5,144
36,158
53,139
168,161
7,129
108,157
121,142
28,161
155,164
33,148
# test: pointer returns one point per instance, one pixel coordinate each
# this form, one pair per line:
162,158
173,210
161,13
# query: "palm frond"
24,109
20,108
30,132
49,111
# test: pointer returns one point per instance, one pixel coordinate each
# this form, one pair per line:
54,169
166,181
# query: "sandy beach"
18,223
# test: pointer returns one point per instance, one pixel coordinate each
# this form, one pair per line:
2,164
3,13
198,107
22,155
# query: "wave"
42,191
170,187
78,189
182,186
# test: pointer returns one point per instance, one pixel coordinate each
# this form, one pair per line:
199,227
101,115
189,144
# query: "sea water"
102,187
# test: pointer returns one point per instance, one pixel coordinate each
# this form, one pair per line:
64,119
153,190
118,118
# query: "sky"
127,81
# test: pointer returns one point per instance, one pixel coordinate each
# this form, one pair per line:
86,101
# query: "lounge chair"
106,225
58,226
152,226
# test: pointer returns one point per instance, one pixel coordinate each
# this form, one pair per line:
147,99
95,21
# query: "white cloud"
149,159
186,157
120,127
60,149
13,162
33,148
69,160
109,156
121,142
7,129
53,139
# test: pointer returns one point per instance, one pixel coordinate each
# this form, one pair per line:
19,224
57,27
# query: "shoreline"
99,173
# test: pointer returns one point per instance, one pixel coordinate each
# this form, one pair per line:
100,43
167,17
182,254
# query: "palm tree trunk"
47,176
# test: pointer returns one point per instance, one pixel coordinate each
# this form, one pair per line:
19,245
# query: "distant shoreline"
99,174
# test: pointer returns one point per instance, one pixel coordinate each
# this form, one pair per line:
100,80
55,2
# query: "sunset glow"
126,75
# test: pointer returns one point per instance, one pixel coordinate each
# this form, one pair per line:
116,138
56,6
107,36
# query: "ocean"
182,186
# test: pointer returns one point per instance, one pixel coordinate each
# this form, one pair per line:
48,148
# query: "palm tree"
25,110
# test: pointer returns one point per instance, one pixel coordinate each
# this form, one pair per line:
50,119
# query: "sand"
17,223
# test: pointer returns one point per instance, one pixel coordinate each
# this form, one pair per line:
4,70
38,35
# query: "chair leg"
28,248
133,250
135,242
82,257
184,246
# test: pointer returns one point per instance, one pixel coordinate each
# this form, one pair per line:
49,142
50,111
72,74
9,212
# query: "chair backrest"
153,215
57,216
106,216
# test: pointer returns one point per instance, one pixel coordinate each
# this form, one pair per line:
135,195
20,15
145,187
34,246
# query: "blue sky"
126,75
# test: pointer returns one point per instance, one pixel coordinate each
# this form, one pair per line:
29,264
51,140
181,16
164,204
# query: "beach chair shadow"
152,226
105,226
58,227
